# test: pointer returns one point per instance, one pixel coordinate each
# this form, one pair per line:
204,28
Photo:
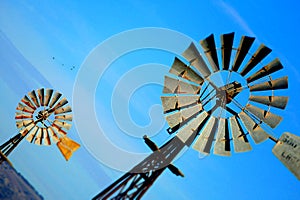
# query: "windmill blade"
61,103
24,108
204,142
24,123
182,70
258,56
266,116
64,125
185,134
272,67
175,86
222,144
31,134
172,103
64,117
63,110
67,147
33,97
46,137
280,83
58,130
52,134
23,116
195,58
274,101
256,132
183,115
245,44
27,102
210,50
48,96
38,137
41,95
240,141
227,43
54,99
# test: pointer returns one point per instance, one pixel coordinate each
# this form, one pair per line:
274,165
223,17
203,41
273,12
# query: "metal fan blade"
275,101
27,101
258,56
179,117
280,83
24,108
272,67
245,44
41,95
33,97
266,116
38,137
61,103
195,58
57,129
182,70
185,134
52,134
256,132
64,117
172,103
227,42
222,144
31,134
54,99
23,123
240,141
46,137
175,86
204,142
63,110
210,50
48,96
23,116
62,124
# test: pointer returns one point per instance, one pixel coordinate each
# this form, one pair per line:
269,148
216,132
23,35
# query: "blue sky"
33,32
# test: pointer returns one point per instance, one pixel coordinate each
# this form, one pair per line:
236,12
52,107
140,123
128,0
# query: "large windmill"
43,118
216,107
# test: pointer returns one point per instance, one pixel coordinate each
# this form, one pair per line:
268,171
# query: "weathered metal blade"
240,141
226,42
62,110
204,142
41,95
266,116
27,101
195,58
34,98
175,86
38,137
242,51
23,116
61,103
23,123
46,137
61,124
58,130
182,70
48,96
258,56
23,108
275,101
210,50
172,103
30,136
64,117
179,117
188,132
52,134
256,132
222,144
54,99
272,67
280,83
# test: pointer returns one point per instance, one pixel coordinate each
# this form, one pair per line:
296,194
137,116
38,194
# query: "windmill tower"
215,107
43,118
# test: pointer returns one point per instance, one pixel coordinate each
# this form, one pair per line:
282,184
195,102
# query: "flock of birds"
62,64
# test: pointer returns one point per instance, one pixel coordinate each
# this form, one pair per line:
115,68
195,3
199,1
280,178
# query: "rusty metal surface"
287,150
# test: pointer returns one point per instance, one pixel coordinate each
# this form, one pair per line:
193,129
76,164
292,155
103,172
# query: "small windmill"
216,108
43,118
